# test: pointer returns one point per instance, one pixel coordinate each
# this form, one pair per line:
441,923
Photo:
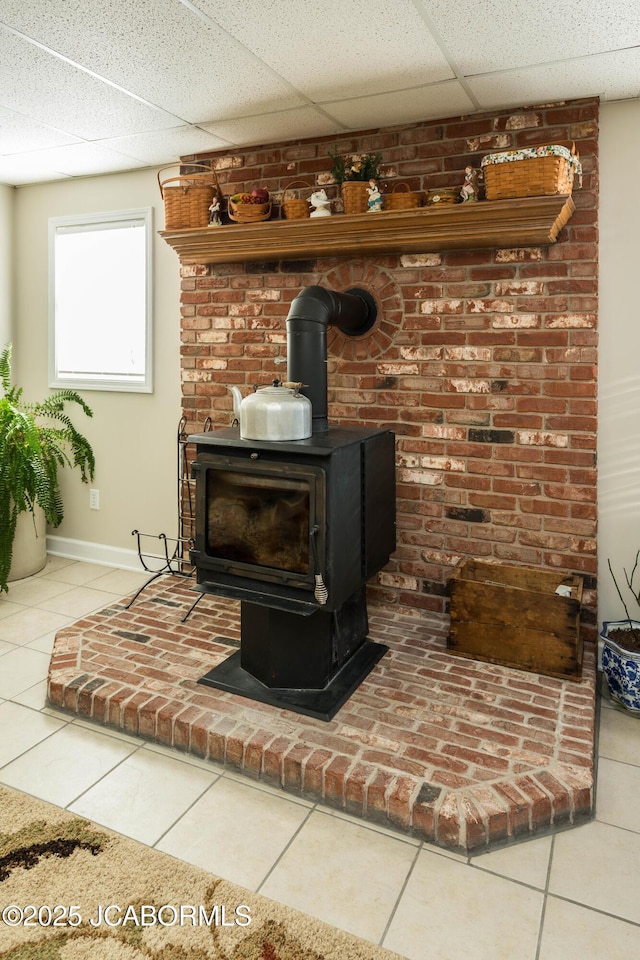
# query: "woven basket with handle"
531,176
295,208
402,197
187,193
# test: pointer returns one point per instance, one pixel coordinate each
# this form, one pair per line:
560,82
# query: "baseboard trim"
99,553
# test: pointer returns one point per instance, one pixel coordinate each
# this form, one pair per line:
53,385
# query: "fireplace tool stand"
173,558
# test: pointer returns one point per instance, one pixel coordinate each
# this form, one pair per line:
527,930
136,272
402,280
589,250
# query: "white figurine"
214,213
320,203
374,202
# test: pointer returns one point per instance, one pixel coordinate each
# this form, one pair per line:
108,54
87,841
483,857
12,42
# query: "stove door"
261,522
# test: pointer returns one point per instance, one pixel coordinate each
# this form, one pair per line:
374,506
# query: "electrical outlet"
94,499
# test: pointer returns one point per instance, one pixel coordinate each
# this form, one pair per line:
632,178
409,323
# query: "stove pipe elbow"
310,315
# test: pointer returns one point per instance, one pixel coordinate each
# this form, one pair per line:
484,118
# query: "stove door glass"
259,519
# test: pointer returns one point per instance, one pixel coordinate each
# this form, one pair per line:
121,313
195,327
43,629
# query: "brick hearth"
463,754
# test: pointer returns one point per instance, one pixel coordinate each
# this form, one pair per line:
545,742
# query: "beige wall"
6,263
133,435
619,374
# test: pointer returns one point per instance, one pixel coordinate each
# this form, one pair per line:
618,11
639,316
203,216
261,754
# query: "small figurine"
214,213
320,203
469,189
374,202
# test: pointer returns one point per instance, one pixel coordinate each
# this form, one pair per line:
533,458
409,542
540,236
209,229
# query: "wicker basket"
248,212
295,208
443,195
355,198
402,199
516,175
187,194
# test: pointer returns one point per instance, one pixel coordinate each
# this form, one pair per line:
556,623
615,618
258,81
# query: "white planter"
29,546
621,667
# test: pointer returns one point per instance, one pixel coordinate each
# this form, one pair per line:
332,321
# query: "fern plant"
36,439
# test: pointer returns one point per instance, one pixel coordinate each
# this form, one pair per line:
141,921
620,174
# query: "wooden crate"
513,616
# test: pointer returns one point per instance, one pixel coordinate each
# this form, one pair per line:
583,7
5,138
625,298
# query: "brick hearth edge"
462,754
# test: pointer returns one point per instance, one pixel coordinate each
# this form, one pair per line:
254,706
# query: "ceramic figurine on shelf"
320,203
374,202
469,189
214,213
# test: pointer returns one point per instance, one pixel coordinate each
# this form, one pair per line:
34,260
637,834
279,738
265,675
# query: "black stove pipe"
310,314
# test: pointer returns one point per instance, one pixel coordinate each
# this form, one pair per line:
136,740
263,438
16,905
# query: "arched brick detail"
388,296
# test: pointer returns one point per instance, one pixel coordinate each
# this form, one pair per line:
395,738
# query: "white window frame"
112,380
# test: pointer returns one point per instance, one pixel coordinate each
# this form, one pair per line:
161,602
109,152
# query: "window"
100,301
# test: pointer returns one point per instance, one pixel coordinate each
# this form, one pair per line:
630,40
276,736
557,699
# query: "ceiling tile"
497,35
386,109
19,133
86,159
272,127
159,50
46,88
334,49
22,168
605,76
166,146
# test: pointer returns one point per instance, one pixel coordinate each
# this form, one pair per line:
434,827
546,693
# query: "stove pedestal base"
322,704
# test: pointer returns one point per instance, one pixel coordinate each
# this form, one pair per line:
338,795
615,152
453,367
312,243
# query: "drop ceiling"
98,86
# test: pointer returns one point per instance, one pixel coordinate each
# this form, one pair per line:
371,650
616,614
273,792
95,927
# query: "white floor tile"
342,873
527,862
29,623
34,590
78,601
21,728
20,669
189,758
379,828
7,608
55,563
617,794
120,581
76,573
452,911
572,932
144,796
235,831
65,765
112,731
44,643
35,697
597,865
619,736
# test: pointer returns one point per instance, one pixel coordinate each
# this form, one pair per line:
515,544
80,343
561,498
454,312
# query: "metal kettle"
278,412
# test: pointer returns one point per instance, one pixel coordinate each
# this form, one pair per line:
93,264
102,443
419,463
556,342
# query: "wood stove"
294,529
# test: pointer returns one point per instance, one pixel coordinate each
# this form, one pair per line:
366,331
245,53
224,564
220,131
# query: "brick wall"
483,362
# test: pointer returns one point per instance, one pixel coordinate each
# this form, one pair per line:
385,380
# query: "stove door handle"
320,592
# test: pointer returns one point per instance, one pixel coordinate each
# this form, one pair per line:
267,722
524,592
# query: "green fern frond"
31,452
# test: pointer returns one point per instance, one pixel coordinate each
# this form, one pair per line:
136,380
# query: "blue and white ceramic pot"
621,667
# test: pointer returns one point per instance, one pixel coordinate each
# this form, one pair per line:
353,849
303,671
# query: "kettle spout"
237,400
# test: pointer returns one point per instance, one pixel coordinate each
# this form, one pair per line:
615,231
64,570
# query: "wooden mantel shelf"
530,221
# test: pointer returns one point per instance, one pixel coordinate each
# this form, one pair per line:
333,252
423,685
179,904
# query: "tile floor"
572,896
